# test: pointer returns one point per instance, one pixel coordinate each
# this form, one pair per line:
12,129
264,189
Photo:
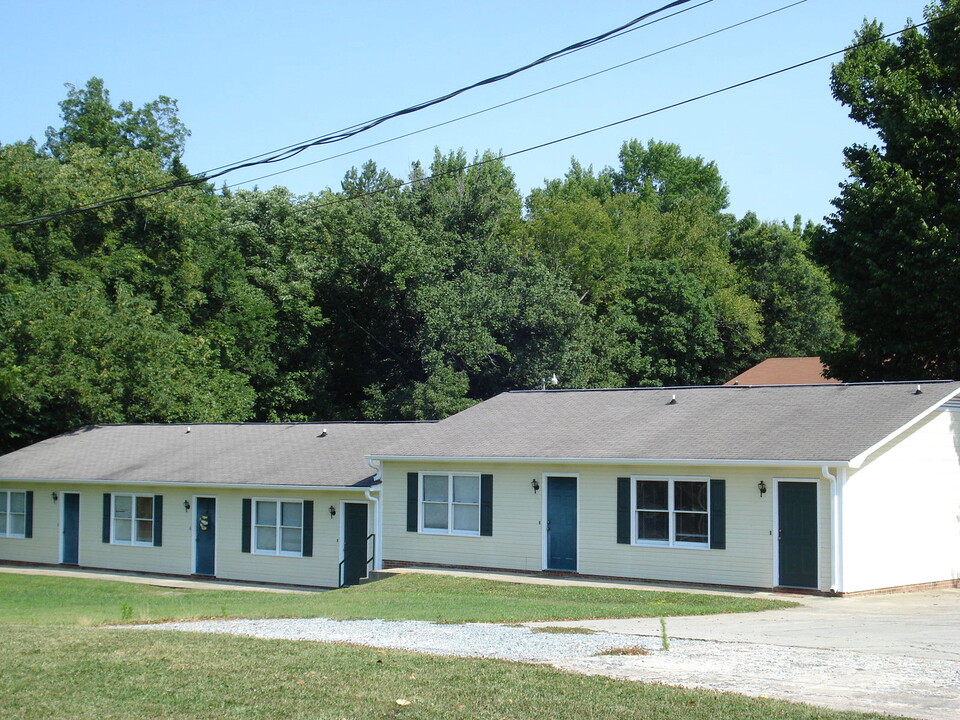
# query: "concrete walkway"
158,580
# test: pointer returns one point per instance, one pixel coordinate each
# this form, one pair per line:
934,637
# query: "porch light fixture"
186,506
535,485
54,496
332,510
762,487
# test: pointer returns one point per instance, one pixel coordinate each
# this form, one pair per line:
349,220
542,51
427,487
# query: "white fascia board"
860,459
613,461
173,483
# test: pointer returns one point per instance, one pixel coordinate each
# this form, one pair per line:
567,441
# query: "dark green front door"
205,537
797,541
71,528
561,523
354,543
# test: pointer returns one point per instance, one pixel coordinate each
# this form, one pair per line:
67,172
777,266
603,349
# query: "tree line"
386,300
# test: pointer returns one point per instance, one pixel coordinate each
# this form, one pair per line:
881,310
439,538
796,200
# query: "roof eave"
701,462
184,484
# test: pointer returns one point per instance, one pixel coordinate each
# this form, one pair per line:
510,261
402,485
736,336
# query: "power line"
562,53
623,121
523,97
338,136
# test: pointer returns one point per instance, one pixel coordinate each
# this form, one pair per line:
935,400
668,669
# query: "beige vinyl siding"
518,540
46,513
175,555
901,510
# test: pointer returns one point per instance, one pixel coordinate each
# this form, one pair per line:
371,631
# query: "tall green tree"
893,244
147,302
90,119
71,355
799,314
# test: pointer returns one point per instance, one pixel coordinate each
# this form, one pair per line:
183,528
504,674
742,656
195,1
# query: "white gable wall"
901,510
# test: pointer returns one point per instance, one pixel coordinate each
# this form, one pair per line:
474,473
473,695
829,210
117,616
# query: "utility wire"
562,53
663,108
522,98
346,133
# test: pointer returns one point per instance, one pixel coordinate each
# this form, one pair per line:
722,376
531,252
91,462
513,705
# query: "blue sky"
254,76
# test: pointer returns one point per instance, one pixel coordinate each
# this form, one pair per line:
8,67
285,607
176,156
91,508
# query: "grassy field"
99,674
44,600
49,669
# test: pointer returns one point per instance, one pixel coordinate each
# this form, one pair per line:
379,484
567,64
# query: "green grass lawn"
100,674
52,667
46,600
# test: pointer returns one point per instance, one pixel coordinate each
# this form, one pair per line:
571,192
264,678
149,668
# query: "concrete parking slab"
896,654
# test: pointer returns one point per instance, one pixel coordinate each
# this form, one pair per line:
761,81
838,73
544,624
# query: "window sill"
454,533
272,553
671,546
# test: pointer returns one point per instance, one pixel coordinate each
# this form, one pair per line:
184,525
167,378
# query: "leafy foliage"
893,244
382,300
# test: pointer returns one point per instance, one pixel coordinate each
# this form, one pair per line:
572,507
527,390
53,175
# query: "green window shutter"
246,514
308,528
28,520
157,520
413,499
718,514
106,518
623,510
486,504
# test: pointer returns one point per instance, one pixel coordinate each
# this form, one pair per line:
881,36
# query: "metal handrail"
367,565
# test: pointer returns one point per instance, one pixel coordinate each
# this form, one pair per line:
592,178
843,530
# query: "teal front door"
205,537
797,538
561,523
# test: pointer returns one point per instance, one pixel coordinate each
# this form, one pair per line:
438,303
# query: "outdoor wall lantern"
762,487
535,485
54,496
186,506
332,510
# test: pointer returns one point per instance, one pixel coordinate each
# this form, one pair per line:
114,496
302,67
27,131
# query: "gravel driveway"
890,654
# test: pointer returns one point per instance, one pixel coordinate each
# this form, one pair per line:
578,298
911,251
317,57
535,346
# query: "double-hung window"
132,519
672,511
450,503
13,513
278,527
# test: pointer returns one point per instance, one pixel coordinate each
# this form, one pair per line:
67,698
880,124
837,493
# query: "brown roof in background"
784,371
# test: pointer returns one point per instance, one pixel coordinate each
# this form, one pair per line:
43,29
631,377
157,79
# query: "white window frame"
133,519
671,512
449,530
278,526
6,511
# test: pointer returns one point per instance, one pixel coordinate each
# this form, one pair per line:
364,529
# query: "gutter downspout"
377,513
836,526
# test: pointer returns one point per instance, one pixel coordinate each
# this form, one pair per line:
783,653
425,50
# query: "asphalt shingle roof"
239,453
815,423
